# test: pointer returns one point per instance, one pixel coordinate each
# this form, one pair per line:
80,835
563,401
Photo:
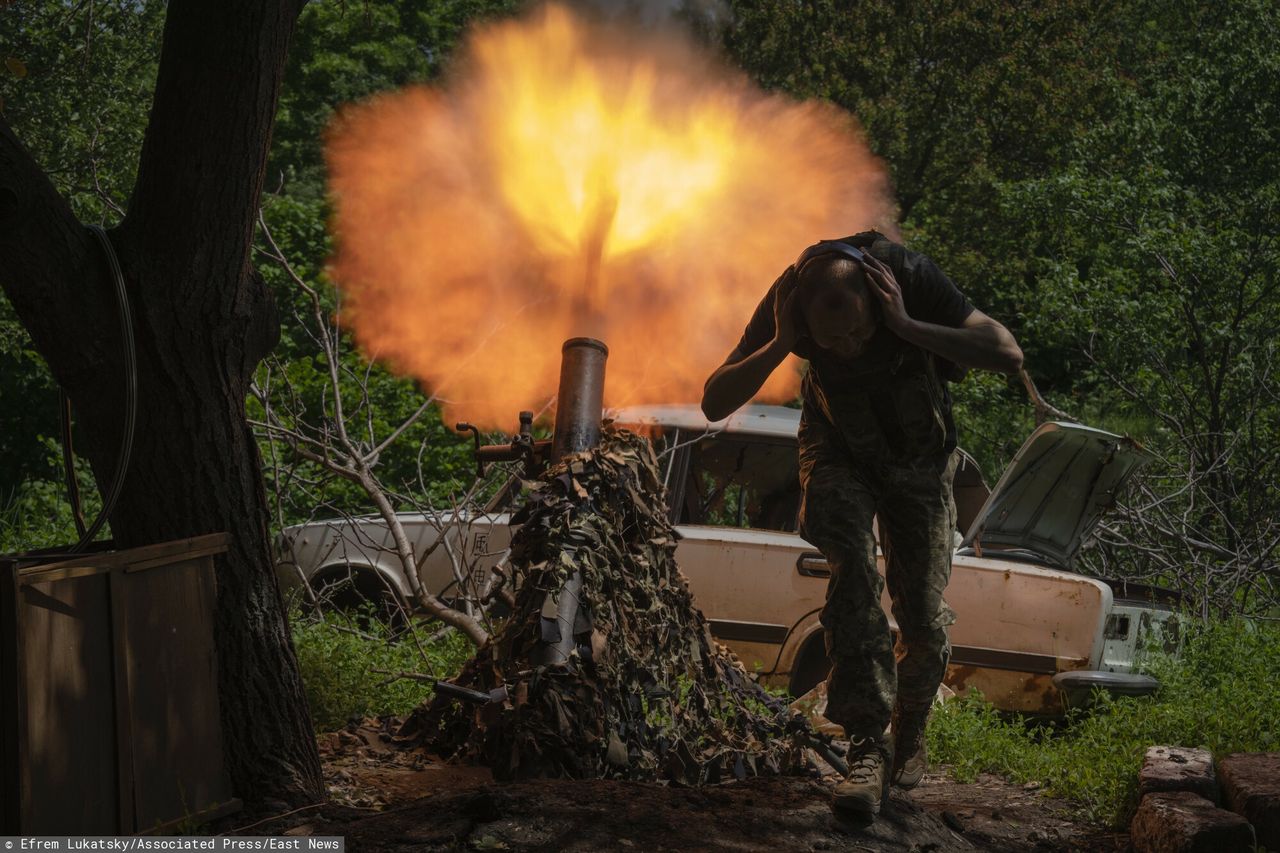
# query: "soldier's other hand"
785,308
886,287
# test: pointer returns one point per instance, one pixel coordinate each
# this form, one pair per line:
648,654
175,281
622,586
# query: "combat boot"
867,783
911,758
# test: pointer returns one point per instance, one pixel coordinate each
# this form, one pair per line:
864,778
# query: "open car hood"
1054,491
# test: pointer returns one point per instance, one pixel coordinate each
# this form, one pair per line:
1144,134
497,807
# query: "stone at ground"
1176,768
1251,787
1183,822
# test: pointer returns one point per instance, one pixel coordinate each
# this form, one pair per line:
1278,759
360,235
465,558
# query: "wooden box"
109,691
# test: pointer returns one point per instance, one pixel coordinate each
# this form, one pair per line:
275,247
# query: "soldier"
883,329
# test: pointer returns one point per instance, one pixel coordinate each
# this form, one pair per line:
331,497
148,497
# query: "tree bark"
203,319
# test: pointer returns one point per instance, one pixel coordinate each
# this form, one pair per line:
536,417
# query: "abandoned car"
1030,633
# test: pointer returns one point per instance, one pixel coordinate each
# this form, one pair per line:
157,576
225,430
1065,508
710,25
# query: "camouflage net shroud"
648,693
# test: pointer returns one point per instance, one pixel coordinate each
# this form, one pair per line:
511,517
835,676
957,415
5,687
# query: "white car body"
1022,616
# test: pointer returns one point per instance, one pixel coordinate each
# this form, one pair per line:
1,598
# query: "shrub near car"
1023,617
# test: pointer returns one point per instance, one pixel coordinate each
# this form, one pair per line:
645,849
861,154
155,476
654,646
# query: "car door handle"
813,565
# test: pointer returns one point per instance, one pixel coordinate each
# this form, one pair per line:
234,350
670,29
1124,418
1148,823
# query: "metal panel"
1021,608
753,419
750,632
999,659
1052,494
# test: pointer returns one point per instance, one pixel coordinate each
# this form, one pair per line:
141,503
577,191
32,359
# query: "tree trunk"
203,319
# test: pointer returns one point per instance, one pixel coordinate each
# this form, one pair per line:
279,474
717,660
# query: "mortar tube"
579,411
580,399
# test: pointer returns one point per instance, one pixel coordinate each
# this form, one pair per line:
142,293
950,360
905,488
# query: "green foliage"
1156,255
1104,179
79,102
81,106
345,52
36,513
992,418
1221,694
28,405
338,657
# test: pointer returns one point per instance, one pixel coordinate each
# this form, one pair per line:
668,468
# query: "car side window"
742,482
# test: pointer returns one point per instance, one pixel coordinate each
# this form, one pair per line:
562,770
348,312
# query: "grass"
1222,694
339,657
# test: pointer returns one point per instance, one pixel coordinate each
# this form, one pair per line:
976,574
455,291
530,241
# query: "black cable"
130,405
69,462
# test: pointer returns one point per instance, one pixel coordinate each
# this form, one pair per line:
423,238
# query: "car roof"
754,419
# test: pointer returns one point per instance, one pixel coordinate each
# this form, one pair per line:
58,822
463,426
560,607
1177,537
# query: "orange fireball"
579,178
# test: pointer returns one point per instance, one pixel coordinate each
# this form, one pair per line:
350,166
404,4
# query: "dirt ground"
385,798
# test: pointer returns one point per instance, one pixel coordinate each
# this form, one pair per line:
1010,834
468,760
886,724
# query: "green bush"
1222,694
37,515
339,657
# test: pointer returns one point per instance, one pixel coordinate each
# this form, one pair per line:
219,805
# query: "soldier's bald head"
837,304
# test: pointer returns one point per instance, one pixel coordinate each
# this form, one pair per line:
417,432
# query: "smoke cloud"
576,177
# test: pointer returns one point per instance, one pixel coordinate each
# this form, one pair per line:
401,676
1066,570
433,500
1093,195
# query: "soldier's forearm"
734,384
985,346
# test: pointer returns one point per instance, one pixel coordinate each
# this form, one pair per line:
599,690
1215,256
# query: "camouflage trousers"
915,514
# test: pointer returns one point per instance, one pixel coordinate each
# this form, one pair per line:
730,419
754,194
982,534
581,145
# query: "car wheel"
359,594
811,666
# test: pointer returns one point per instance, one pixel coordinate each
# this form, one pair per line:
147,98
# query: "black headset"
828,247
835,247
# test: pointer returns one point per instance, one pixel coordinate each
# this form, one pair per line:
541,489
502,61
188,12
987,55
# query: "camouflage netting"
648,694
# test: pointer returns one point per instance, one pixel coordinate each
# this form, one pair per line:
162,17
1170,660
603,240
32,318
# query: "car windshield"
740,481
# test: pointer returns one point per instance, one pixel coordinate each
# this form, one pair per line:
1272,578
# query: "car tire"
352,592
811,666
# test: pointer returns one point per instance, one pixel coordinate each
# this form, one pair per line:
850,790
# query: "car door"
736,502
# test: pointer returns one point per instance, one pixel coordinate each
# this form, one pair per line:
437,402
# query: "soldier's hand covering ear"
785,308
885,286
